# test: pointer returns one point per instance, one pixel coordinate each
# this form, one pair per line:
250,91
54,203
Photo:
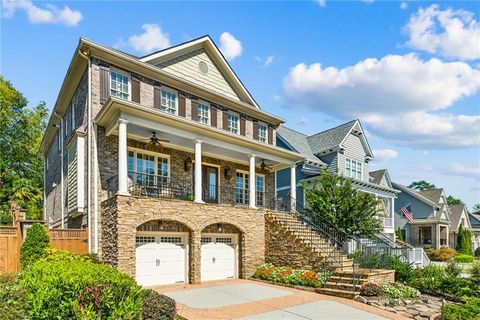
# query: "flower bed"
288,275
389,290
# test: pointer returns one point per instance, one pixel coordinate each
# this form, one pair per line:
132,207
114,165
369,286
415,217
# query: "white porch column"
253,183
198,171
293,186
122,157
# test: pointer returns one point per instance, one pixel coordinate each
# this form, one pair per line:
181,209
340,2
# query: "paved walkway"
248,300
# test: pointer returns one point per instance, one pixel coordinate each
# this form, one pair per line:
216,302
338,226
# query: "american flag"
407,213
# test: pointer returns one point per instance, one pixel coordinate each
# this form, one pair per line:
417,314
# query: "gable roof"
377,175
299,142
474,220
334,138
414,194
456,212
433,195
216,55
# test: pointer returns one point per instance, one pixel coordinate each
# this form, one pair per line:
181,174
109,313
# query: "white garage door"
218,260
160,259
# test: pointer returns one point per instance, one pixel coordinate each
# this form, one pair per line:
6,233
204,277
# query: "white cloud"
321,3
153,38
460,170
265,62
450,33
230,46
403,5
302,121
49,14
398,97
383,155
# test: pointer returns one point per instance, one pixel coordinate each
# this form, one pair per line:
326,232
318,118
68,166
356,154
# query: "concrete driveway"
248,300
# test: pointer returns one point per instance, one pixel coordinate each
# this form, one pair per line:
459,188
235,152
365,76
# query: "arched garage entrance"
161,254
220,252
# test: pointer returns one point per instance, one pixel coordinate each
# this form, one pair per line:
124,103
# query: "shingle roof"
456,212
377,175
330,138
299,141
414,193
433,195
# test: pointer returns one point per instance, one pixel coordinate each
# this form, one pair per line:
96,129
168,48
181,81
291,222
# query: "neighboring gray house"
458,217
431,223
475,223
343,150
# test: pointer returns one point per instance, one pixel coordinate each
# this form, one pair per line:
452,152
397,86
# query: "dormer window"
119,85
353,169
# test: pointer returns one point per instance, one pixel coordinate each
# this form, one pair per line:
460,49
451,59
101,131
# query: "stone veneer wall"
122,215
283,249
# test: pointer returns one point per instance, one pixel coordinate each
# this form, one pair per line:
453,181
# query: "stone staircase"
292,242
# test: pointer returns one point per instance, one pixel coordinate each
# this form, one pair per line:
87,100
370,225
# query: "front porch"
425,234
189,161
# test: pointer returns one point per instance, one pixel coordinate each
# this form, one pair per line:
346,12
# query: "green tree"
476,208
33,248
421,185
464,241
21,171
399,235
452,201
333,199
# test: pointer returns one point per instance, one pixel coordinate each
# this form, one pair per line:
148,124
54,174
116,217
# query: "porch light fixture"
187,164
219,227
227,173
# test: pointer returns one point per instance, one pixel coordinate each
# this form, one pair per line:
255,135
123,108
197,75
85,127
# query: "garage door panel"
160,263
218,259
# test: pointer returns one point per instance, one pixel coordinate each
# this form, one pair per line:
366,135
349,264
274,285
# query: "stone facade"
124,215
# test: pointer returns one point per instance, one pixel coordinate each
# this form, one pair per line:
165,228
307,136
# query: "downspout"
89,150
60,136
95,191
44,188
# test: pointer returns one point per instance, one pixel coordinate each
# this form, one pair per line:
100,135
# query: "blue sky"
409,70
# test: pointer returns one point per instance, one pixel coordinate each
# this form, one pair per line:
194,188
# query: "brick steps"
338,293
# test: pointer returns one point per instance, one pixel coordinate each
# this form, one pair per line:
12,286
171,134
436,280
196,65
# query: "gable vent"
203,66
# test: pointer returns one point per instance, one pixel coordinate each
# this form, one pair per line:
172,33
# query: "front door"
210,184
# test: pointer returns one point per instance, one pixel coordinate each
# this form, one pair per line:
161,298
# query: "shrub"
58,287
428,279
477,252
371,260
13,305
287,275
443,254
399,235
158,307
403,270
371,289
464,258
464,241
33,248
469,311
397,290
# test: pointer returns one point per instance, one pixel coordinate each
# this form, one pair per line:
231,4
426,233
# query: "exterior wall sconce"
227,173
219,227
187,164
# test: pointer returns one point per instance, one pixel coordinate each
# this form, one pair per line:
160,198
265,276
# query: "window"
353,169
242,183
119,85
168,102
203,113
260,190
262,133
233,123
148,169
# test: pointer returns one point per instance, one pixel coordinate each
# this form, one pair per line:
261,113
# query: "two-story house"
166,159
344,151
431,216
458,217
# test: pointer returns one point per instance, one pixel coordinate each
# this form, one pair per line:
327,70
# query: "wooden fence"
11,239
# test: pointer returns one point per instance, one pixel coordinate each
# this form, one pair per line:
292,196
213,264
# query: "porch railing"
155,186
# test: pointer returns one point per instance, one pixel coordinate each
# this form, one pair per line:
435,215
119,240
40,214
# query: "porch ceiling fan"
155,141
264,166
